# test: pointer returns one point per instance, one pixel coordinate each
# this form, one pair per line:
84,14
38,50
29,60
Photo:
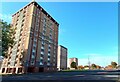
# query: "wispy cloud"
62,31
6,17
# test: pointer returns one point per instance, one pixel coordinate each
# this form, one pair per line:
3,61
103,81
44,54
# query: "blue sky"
86,29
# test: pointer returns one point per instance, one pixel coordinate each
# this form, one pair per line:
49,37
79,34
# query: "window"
35,34
34,44
51,32
24,11
35,39
17,19
19,47
48,54
50,36
23,44
16,24
24,39
33,53
37,26
44,32
33,50
32,62
48,69
50,24
18,15
50,41
33,56
42,47
44,19
43,37
48,64
21,31
23,15
54,48
44,27
23,20
49,45
22,25
22,50
41,63
53,64
42,50
41,58
48,59
42,53
37,11
25,33
48,50
37,21
33,59
43,42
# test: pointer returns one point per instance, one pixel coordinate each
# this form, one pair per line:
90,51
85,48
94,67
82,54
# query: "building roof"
63,47
73,57
36,4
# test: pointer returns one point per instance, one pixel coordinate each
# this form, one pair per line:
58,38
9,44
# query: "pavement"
81,76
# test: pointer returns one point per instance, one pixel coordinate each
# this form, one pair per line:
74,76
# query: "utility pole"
89,62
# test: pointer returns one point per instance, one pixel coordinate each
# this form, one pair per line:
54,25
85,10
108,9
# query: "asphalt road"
95,75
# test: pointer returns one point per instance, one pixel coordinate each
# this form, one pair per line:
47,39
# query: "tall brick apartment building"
36,41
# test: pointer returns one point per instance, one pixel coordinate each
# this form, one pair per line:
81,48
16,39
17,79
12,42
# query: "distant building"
73,60
62,58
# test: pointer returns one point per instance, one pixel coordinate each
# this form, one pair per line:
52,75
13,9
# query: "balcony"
21,63
21,56
16,59
19,47
18,50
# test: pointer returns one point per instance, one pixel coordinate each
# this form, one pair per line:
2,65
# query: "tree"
118,67
68,68
98,67
114,64
7,37
93,66
86,66
80,67
73,65
108,67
